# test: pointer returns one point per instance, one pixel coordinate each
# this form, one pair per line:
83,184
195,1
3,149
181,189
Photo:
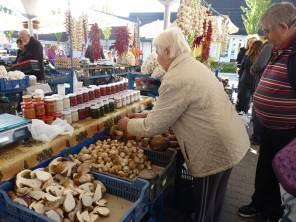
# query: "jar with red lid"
81,112
103,90
28,110
91,93
73,99
112,88
79,97
39,109
85,96
116,87
108,90
97,92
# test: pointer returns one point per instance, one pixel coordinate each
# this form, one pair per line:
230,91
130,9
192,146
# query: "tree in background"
8,35
252,14
58,36
107,34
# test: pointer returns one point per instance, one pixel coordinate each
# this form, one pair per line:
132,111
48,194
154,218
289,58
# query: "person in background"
32,50
20,50
52,53
247,81
190,101
274,102
151,66
257,70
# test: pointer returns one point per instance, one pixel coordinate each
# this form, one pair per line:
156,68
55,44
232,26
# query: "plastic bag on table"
44,132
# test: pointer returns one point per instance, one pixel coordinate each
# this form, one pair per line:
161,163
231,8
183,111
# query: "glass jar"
118,102
67,116
37,99
101,107
39,109
79,97
59,104
66,102
106,106
95,112
108,90
27,98
74,114
111,105
85,96
73,99
49,105
91,94
123,100
81,112
28,111
87,110
113,91
125,87
97,92
48,119
121,85
103,90
116,85
128,99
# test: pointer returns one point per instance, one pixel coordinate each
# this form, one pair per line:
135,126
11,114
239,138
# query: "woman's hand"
122,124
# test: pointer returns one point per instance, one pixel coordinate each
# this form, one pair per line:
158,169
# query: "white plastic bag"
44,132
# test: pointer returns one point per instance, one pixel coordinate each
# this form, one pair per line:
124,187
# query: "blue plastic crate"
135,191
9,85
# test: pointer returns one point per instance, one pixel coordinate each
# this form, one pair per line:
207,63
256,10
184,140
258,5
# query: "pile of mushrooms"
63,192
114,157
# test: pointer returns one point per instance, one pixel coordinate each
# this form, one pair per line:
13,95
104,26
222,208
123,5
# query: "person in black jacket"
20,50
32,50
247,81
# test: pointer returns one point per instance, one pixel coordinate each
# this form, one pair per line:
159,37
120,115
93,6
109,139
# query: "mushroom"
82,178
21,191
47,183
37,207
102,203
98,193
103,188
24,179
51,198
86,199
53,215
37,195
56,190
69,202
88,187
93,217
83,217
40,174
20,201
103,211
78,208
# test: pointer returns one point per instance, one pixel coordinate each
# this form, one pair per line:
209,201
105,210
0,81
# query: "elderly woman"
211,135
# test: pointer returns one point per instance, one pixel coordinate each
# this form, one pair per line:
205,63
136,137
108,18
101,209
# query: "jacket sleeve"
168,108
262,60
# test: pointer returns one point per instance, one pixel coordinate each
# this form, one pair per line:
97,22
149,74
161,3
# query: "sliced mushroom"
86,199
51,198
37,195
40,174
93,217
82,178
103,211
69,202
60,212
56,190
24,179
23,190
20,201
53,215
104,190
78,208
47,183
37,207
88,187
83,217
98,193
67,220
102,203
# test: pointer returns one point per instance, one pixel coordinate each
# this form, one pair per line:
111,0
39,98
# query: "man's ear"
284,26
167,52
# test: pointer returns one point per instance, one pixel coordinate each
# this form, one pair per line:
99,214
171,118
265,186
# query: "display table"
15,158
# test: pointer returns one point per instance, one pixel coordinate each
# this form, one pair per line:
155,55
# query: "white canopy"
151,30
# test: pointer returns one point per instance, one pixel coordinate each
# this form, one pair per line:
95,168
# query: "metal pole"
30,26
167,16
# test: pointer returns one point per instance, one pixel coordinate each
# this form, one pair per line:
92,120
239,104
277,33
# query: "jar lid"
71,94
74,109
79,93
81,106
66,97
94,107
66,112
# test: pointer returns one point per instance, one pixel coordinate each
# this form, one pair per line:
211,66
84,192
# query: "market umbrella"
151,30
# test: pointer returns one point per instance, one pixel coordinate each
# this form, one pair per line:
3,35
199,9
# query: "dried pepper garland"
95,41
207,43
122,40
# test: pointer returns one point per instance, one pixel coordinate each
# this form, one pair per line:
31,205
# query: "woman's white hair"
173,40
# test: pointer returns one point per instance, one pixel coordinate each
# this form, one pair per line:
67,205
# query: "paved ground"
240,188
